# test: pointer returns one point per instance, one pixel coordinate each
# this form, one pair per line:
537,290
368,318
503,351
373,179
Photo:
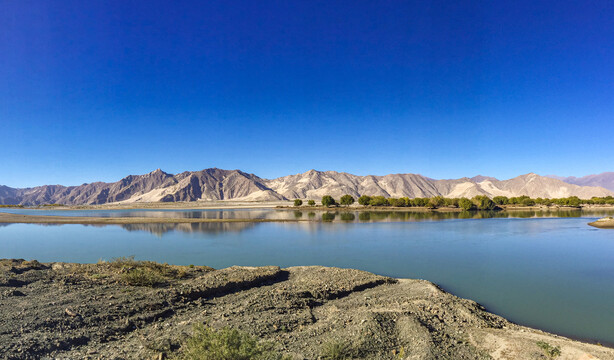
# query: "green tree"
378,201
437,201
483,202
500,200
311,203
364,200
298,202
466,204
396,202
528,202
451,202
420,202
347,200
328,200
573,201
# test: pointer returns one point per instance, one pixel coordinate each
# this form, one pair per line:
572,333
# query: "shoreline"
281,205
106,314
90,220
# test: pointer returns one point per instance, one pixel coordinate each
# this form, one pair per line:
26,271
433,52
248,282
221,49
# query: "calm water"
537,269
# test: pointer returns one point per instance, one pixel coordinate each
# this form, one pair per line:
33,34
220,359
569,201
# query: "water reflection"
329,216
307,217
347,217
339,214
211,228
379,216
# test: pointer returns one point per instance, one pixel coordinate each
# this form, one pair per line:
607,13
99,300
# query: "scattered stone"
70,313
300,310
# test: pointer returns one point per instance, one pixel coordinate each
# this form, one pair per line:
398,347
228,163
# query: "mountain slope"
535,186
218,184
208,184
605,180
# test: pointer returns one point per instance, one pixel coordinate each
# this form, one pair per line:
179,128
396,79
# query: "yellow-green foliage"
142,276
225,344
336,350
147,273
550,351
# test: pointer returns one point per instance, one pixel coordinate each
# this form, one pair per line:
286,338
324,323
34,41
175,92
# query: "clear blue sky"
96,90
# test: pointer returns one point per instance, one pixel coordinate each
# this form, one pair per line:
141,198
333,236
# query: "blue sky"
98,90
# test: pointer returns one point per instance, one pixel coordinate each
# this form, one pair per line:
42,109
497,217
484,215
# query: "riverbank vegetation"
479,202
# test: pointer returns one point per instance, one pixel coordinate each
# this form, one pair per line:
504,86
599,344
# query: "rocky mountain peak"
219,184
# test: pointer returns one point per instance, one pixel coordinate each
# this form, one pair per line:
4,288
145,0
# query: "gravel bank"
90,311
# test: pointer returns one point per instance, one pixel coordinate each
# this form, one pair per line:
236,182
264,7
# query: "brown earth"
604,223
97,311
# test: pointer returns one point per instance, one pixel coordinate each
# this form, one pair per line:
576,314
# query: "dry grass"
133,272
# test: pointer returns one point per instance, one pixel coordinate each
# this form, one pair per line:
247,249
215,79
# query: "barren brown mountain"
218,184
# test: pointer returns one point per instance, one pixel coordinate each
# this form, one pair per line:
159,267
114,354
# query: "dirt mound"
138,310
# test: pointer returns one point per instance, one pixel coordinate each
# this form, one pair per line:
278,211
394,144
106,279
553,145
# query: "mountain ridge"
604,180
218,184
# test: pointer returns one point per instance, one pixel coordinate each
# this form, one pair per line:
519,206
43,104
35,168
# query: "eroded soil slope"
130,310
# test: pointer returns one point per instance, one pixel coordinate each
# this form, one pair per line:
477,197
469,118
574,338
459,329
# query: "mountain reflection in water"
316,218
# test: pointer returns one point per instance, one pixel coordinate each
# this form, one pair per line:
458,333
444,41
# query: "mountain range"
218,184
605,180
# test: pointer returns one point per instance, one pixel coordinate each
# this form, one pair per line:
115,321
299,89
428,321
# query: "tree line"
479,202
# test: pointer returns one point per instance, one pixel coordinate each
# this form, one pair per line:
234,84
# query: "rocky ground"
139,310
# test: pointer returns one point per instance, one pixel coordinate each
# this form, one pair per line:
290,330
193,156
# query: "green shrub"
298,202
550,351
145,273
225,344
336,350
142,276
311,203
